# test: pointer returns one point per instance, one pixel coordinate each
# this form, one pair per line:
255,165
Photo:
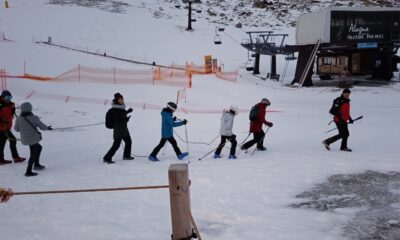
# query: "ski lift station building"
355,41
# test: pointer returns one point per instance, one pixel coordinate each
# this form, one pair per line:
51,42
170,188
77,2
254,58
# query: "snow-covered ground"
248,198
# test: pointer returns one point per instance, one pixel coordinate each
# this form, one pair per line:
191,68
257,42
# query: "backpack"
335,109
253,113
109,120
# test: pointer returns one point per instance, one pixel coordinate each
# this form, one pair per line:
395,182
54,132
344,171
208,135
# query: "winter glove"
270,124
184,121
49,128
127,119
5,195
129,110
174,118
351,121
233,137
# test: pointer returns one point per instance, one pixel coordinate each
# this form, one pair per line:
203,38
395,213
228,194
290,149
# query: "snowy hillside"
270,195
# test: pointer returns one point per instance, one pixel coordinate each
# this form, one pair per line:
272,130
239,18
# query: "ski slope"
247,198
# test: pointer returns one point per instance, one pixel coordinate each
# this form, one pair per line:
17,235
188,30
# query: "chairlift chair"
198,10
250,65
290,57
217,39
177,5
221,28
194,20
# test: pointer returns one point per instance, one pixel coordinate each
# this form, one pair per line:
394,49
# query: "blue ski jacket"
168,123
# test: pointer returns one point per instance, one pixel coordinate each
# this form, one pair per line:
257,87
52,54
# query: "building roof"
316,25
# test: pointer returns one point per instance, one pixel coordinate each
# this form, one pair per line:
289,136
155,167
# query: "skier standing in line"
226,132
257,119
167,124
117,119
7,112
27,124
341,116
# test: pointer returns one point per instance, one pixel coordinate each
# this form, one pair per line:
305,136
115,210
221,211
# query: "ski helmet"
234,109
171,106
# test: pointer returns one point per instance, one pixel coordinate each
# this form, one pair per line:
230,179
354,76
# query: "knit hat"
171,106
346,90
5,93
266,101
117,96
26,107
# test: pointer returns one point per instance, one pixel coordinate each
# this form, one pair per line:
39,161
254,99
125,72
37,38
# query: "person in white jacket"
226,132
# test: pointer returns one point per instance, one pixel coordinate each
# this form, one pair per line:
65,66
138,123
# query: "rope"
78,126
204,143
91,190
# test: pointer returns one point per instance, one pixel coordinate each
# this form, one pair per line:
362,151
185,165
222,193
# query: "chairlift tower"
261,43
190,10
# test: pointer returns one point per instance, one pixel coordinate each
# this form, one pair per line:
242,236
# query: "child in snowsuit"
27,124
226,132
119,121
167,134
256,126
7,112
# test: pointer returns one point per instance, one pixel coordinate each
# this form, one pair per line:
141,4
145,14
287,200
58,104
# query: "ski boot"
183,155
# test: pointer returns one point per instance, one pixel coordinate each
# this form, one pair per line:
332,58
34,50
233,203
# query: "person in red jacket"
7,111
341,116
256,125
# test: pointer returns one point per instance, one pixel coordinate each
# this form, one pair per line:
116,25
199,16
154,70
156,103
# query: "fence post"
115,80
179,194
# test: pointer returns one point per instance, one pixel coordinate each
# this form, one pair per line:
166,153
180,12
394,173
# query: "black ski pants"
34,158
258,138
231,139
343,134
162,143
117,143
4,136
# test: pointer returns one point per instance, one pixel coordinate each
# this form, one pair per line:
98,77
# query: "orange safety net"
227,76
155,76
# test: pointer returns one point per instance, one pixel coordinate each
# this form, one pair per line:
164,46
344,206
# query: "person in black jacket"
119,120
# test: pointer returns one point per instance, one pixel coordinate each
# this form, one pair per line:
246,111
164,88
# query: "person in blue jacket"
167,133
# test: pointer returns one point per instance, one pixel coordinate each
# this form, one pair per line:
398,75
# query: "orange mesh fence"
155,76
19,89
228,76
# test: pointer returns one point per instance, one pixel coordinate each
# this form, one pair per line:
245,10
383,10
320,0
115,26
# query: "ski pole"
265,133
220,145
241,144
187,141
360,117
208,153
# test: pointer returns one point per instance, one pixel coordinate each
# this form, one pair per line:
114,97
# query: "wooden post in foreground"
179,193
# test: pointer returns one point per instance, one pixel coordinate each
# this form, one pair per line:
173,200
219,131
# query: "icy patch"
377,194
105,5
